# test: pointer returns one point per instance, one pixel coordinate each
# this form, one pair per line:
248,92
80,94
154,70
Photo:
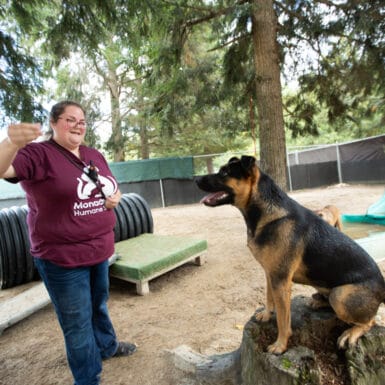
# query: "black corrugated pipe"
133,217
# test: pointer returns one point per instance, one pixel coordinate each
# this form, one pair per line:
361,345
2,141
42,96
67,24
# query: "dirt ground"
204,307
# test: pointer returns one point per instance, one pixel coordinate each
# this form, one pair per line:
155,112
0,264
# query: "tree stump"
313,357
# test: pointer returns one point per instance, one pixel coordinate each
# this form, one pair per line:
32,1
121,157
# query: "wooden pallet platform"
147,256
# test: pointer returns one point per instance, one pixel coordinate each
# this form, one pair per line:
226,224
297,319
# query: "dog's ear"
233,159
247,162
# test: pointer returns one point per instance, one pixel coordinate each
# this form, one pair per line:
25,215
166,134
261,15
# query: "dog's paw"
346,339
263,315
350,336
277,348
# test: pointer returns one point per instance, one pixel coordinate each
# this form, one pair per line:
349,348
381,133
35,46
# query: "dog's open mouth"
215,199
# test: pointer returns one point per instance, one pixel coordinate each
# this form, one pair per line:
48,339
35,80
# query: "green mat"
142,257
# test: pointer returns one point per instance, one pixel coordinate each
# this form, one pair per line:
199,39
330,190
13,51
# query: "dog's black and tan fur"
295,245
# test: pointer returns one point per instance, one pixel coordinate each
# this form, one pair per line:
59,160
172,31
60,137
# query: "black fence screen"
167,182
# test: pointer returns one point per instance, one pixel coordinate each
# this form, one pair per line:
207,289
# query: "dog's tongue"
212,198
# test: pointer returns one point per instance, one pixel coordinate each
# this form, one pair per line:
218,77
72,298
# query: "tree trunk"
268,91
144,150
116,119
144,147
252,125
210,165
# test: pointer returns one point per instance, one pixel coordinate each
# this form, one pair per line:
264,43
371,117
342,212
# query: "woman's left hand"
113,200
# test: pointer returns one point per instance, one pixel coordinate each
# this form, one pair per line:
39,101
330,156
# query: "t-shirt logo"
87,188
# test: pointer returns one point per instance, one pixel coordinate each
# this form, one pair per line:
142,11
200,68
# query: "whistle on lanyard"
92,172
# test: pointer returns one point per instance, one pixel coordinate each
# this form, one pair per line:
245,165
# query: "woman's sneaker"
125,349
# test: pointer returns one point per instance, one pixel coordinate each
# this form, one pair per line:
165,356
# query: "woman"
71,194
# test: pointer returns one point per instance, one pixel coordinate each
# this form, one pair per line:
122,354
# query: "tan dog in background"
331,215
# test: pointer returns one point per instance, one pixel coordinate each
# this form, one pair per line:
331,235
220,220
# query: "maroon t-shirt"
67,220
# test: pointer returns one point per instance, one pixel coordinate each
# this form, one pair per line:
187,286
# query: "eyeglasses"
73,122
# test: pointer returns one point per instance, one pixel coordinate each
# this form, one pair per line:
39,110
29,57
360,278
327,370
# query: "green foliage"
20,77
181,73
78,26
191,112
345,71
73,85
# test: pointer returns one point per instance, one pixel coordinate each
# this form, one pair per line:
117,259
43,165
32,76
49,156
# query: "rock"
185,359
221,369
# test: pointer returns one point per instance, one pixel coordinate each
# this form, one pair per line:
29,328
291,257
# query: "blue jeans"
80,296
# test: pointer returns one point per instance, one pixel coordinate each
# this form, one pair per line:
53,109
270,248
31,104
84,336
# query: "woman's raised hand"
20,134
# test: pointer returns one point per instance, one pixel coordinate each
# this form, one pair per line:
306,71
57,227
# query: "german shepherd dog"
295,245
330,214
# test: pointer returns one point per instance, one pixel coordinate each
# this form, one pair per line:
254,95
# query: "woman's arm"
18,136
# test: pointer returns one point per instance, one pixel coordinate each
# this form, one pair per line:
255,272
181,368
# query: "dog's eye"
223,173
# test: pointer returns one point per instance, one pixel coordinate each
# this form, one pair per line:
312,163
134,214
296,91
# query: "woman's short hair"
59,108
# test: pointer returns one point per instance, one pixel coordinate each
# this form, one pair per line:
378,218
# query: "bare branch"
241,37
214,14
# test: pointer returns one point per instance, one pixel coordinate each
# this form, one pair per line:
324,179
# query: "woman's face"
70,128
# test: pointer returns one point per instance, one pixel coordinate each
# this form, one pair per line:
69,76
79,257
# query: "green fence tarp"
130,171
153,169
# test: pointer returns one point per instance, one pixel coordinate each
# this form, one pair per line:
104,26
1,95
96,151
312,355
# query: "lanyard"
91,170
